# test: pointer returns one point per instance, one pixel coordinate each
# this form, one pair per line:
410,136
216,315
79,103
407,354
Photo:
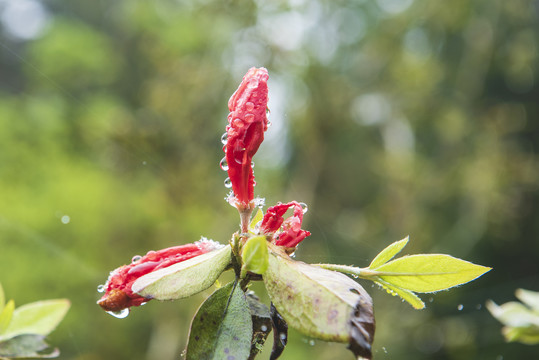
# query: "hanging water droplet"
460,307
122,314
228,183
249,106
136,258
223,164
101,288
268,112
264,328
224,138
252,164
268,125
304,207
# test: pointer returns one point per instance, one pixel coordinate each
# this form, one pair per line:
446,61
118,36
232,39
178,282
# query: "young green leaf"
318,302
256,219
39,318
185,278
255,255
5,316
27,346
222,327
521,323
429,272
388,253
406,295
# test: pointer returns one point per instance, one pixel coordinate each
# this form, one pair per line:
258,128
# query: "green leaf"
406,295
530,298
522,323
26,346
429,272
2,298
184,279
222,327
5,316
256,219
388,253
318,302
40,317
254,255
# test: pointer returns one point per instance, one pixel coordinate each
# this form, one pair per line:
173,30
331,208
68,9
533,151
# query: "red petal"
291,233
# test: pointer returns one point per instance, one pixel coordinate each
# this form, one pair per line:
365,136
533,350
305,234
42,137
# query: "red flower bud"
118,294
287,233
247,122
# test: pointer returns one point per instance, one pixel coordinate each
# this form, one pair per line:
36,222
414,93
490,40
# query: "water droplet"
249,118
223,164
431,299
478,306
122,314
238,123
304,207
228,183
65,219
293,255
252,164
460,307
144,163
264,328
384,349
101,288
252,84
224,138
282,336
136,258
268,112
259,202
268,124
249,106
311,342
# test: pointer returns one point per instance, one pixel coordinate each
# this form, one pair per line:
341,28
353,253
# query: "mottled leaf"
429,272
388,253
27,346
222,327
280,333
260,315
5,316
38,318
319,303
184,279
255,255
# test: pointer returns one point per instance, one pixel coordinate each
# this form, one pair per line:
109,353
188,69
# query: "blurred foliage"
390,117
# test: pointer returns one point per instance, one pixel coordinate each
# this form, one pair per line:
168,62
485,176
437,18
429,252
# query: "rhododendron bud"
118,293
286,233
247,122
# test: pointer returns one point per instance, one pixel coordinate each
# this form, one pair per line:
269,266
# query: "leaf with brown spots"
320,303
222,327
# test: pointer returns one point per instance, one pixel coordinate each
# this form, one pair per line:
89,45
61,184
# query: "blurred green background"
390,118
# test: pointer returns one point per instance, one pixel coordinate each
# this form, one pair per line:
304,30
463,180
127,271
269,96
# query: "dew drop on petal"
252,84
304,207
101,288
122,314
249,106
238,123
249,118
223,164
252,164
460,307
268,125
224,138
136,258
228,183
